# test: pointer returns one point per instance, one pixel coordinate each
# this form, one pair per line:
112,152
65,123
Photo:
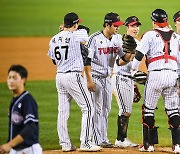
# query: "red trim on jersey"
166,52
166,57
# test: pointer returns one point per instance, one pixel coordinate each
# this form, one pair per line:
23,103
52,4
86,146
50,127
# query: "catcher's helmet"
159,16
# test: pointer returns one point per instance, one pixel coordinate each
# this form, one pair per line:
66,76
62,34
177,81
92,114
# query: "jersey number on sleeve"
58,54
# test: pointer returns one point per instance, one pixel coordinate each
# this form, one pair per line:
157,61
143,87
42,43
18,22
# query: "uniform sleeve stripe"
91,38
29,115
30,119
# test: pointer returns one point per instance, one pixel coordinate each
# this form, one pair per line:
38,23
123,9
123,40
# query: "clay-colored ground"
32,53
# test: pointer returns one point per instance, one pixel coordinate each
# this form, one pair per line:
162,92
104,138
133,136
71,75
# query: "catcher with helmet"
161,48
124,88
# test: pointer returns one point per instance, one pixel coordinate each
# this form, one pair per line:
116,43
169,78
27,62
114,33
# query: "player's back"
153,46
65,50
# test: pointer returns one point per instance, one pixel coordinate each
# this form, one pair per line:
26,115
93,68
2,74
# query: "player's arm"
87,69
136,61
8,146
124,59
54,62
25,133
52,47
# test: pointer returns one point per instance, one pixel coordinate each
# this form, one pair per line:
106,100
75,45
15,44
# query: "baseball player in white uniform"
64,50
161,48
176,19
123,88
103,47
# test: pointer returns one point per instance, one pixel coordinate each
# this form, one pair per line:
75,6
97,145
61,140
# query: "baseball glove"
129,44
140,77
137,95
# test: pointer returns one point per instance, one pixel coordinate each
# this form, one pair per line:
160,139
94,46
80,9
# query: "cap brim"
118,23
177,19
133,23
80,20
164,24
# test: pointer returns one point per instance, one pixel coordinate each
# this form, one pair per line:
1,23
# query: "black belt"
70,72
164,69
127,76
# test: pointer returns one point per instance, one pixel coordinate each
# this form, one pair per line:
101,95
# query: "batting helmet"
160,17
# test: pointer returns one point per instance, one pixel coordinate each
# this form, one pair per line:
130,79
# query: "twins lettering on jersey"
108,50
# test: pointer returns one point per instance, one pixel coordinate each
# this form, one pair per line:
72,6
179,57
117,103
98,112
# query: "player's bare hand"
5,148
91,86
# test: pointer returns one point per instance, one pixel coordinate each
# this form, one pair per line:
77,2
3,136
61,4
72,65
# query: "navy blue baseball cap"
113,18
71,19
132,21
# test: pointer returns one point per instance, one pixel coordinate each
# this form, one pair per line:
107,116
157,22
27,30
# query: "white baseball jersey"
162,77
103,52
123,86
64,48
152,45
178,62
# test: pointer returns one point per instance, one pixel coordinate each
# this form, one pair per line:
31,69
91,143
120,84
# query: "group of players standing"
89,70
93,91
108,66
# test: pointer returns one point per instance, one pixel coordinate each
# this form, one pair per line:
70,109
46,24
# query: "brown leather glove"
137,95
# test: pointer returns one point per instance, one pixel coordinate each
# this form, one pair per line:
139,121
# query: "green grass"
42,17
45,94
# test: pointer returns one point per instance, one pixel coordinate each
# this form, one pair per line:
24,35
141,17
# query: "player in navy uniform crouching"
23,116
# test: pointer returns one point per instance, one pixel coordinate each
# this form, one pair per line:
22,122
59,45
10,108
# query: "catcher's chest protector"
166,37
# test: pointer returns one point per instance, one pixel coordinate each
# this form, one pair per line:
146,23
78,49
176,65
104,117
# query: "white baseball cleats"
125,143
72,148
106,145
89,147
149,149
176,148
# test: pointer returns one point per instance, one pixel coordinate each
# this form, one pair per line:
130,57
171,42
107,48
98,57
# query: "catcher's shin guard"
153,135
145,137
150,136
174,123
122,123
175,133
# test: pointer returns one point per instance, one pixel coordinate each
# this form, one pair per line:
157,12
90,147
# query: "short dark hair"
19,69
